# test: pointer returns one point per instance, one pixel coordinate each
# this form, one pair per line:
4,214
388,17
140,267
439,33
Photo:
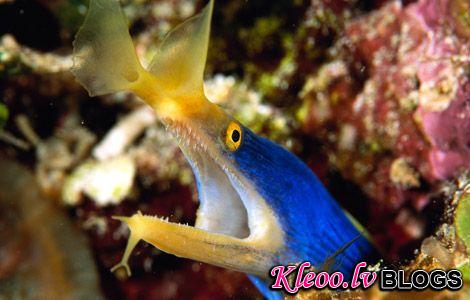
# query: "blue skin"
316,228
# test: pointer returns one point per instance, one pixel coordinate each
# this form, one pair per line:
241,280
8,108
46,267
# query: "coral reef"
374,95
398,128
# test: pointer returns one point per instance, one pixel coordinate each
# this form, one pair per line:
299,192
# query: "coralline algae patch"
400,128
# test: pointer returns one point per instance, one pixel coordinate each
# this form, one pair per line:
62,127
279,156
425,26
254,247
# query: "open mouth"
222,197
221,209
235,228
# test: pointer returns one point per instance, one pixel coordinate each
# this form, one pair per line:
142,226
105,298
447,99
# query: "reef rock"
396,119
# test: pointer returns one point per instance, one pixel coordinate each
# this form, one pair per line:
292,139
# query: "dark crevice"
31,24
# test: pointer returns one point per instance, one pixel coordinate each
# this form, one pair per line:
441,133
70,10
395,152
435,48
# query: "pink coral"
409,109
413,54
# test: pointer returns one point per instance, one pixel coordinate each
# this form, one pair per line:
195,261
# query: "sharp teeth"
186,136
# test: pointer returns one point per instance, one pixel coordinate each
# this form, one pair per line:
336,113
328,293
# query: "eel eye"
233,136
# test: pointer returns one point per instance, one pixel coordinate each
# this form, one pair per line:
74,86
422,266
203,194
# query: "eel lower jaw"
235,228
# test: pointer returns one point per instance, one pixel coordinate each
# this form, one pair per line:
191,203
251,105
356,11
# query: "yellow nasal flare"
105,60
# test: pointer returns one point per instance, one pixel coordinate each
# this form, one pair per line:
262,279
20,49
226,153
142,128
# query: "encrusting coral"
397,124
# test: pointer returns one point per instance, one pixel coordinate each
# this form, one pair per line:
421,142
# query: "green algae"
3,115
462,224
465,269
255,38
462,220
72,14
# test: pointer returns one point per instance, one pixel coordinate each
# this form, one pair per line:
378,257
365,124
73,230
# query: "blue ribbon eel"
260,205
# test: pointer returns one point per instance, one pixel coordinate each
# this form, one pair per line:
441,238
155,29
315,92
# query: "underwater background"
373,95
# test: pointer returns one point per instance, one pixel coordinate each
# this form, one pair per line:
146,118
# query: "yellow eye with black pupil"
233,136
